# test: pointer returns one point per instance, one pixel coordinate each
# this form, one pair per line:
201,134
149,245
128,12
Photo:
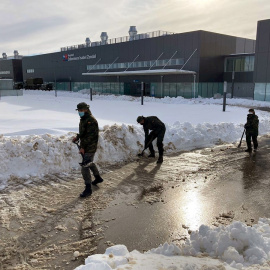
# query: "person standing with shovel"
252,130
88,136
158,130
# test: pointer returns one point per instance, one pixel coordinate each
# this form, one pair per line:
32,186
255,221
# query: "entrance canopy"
159,72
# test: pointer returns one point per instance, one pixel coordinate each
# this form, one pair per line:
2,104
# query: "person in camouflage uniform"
252,127
88,136
158,130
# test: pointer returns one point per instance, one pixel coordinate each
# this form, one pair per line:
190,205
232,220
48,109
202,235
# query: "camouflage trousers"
86,170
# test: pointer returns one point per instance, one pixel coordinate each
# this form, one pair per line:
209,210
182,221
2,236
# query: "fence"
159,90
262,91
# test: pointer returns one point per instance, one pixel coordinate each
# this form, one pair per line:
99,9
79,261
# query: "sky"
34,26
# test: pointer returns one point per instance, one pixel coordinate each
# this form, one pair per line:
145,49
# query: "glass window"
179,61
240,64
159,63
246,65
249,63
153,63
172,62
147,64
229,65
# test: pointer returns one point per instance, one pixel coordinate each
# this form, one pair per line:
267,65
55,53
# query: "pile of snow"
236,246
38,127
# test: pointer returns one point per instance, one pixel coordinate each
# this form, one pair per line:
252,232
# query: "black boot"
97,180
87,192
152,154
249,150
160,160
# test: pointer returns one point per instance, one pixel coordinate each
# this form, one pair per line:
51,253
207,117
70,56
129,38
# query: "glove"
75,139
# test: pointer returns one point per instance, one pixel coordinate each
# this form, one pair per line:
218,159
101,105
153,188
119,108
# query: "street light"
54,72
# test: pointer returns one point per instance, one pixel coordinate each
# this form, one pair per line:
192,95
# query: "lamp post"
224,96
142,90
233,73
55,90
194,85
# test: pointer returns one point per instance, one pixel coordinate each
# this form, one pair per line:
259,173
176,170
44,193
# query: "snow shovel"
239,145
79,147
141,154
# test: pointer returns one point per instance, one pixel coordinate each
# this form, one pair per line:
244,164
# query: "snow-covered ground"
36,139
236,246
37,128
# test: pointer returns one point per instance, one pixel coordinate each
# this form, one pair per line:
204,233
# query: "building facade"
200,53
262,62
184,64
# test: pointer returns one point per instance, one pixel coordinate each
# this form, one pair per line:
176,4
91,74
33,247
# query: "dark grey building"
262,62
159,59
11,67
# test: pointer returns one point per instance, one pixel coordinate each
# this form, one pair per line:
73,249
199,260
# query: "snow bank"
236,246
26,156
189,126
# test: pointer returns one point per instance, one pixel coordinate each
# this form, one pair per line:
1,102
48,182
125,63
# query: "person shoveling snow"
158,130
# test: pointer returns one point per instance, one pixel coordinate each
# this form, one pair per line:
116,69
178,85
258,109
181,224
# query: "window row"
4,72
140,64
30,71
240,64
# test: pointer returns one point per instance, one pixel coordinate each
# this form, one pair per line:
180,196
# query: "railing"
118,40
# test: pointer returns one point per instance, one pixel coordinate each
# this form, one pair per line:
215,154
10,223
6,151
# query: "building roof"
141,72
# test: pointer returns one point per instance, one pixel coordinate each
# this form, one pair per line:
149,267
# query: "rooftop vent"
4,55
132,32
87,42
16,54
104,38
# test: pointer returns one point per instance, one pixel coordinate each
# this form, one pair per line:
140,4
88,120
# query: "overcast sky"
34,26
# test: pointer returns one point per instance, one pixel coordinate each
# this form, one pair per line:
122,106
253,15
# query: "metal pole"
118,80
142,88
224,96
55,90
233,73
194,85
90,91
188,59
161,86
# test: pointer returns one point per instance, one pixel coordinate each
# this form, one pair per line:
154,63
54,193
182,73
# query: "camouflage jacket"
88,133
252,124
154,124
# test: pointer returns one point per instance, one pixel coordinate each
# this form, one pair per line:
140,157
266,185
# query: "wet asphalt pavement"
140,204
210,186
